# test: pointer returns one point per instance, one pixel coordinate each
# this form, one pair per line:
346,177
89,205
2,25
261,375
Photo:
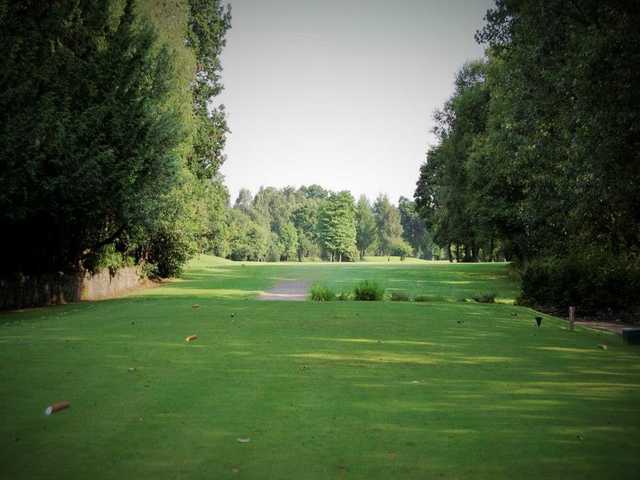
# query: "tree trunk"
468,253
491,249
449,255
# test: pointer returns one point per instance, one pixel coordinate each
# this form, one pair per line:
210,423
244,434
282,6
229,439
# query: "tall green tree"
389,229
563,83
365,225
305,219
414,229
88,135
537,152
336,226
244,200
288,239
208,23
445,196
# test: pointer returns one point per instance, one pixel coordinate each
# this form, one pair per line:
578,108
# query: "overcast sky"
340,92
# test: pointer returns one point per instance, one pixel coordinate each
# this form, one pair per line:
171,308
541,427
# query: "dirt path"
295,290
614,327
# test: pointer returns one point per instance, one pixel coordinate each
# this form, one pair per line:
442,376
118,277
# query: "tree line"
313,223
537,153
110,141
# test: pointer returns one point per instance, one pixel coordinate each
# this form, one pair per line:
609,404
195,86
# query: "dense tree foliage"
388,228
336,226
537,152
109,151
414,230
312,223
208,22
365,226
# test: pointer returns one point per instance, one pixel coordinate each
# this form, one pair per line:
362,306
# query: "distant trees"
388,227
312,223
305,219
288,241
537,158
336,226
365,226
243,202
414,229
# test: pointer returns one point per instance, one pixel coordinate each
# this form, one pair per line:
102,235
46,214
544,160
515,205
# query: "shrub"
428,298
401,248
592,282
321,293
400,297
485,297
368,291
168,251
343,296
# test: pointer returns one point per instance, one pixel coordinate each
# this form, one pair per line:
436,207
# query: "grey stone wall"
52,289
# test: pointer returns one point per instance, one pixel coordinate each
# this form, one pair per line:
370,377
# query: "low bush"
485,297
428,298
400,297
322,293
368,291
343,296
592,282
401,248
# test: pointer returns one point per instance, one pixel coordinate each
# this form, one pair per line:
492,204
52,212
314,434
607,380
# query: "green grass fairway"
354,390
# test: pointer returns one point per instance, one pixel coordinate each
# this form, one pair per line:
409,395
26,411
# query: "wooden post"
572,317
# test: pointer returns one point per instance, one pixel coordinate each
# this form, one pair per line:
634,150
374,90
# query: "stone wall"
51,289
104,285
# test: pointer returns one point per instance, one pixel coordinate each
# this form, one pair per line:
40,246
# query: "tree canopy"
537,151
313,223
99,152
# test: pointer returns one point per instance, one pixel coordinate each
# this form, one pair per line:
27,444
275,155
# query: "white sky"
340,92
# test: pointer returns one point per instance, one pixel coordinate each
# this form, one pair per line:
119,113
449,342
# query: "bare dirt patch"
615,327
292,290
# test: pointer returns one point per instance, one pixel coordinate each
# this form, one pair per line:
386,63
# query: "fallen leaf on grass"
57,407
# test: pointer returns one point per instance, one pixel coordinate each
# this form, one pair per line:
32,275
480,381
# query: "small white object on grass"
244,440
